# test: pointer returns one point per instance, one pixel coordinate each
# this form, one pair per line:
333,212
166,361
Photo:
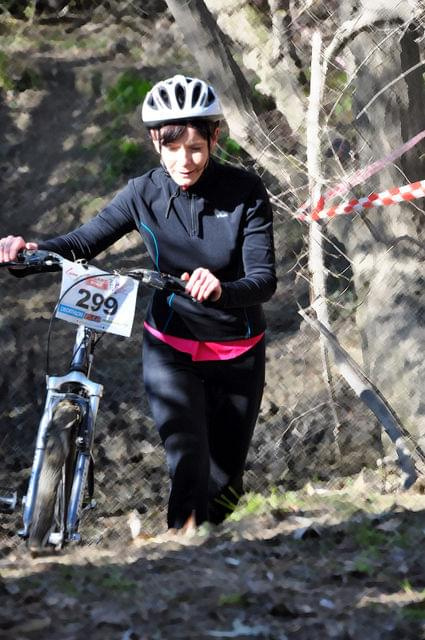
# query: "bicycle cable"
152,279
53,316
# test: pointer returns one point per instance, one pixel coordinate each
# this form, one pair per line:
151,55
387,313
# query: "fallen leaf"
239,630
33,624
107,614
326,603
389,525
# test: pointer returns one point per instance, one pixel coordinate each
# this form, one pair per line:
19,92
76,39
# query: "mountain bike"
61,484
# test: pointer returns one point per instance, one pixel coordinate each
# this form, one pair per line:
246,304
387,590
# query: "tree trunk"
208,44
388,254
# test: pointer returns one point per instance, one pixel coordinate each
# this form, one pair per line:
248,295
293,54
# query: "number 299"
95,301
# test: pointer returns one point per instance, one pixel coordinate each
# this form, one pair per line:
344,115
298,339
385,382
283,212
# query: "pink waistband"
206,350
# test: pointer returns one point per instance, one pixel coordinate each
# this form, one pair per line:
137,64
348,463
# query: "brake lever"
36,259
158,280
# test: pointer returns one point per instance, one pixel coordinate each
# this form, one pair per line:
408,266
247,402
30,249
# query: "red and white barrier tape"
405,193
364,173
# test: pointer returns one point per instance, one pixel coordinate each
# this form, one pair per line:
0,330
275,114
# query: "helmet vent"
180,95
210,97
164,96
196,93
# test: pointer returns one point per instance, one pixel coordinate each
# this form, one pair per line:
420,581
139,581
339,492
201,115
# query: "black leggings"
205,413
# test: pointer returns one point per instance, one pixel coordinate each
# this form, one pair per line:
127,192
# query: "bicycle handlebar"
41,261
35,261
158,280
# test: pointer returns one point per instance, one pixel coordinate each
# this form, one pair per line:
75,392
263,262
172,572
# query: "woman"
203,353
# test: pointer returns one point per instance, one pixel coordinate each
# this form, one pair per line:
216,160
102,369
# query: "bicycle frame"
77,386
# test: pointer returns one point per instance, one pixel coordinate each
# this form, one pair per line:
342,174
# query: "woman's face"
185,158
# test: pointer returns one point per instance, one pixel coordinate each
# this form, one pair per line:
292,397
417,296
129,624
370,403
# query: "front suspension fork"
92,393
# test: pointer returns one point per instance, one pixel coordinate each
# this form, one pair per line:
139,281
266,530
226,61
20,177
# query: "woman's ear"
154,134
214,138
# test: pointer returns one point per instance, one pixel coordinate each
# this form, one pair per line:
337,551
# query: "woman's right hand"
11,245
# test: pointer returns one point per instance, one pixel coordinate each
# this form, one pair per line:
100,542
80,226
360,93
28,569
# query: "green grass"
232,599
257,503
364,564
127,93
414,611
115,580
229,151
122,155
16,77
119,155
6,81
369,538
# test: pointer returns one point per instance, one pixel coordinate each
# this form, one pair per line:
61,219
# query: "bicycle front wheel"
53,488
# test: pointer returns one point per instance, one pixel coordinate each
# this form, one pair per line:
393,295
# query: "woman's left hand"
202,285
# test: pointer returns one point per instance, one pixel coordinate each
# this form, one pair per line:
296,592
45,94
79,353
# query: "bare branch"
366,18
316,250
347,31
421,63
278,15
297,12
407,450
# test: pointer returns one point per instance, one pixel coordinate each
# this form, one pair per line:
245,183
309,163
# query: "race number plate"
89,296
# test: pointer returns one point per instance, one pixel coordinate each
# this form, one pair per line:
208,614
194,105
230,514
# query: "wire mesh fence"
297,439
309,429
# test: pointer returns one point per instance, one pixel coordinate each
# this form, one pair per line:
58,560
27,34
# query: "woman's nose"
184,156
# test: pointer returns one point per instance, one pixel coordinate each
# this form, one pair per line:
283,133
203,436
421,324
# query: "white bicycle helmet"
180,98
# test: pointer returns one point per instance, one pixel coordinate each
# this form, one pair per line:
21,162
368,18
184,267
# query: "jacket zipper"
194,226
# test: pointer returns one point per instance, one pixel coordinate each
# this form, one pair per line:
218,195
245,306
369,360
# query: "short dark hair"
172,131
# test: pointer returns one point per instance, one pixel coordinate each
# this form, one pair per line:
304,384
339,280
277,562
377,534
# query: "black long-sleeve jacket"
223,223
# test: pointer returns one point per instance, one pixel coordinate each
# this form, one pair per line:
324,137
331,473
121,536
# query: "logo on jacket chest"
221,214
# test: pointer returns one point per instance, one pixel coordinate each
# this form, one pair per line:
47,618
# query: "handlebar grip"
174,284
31,261
158,280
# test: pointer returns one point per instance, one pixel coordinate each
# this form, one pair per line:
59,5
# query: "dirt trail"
306,565
316,564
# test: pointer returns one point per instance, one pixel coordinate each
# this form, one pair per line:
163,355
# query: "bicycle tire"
54,482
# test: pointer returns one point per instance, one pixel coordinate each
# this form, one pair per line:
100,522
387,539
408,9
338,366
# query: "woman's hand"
202,285
11,245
